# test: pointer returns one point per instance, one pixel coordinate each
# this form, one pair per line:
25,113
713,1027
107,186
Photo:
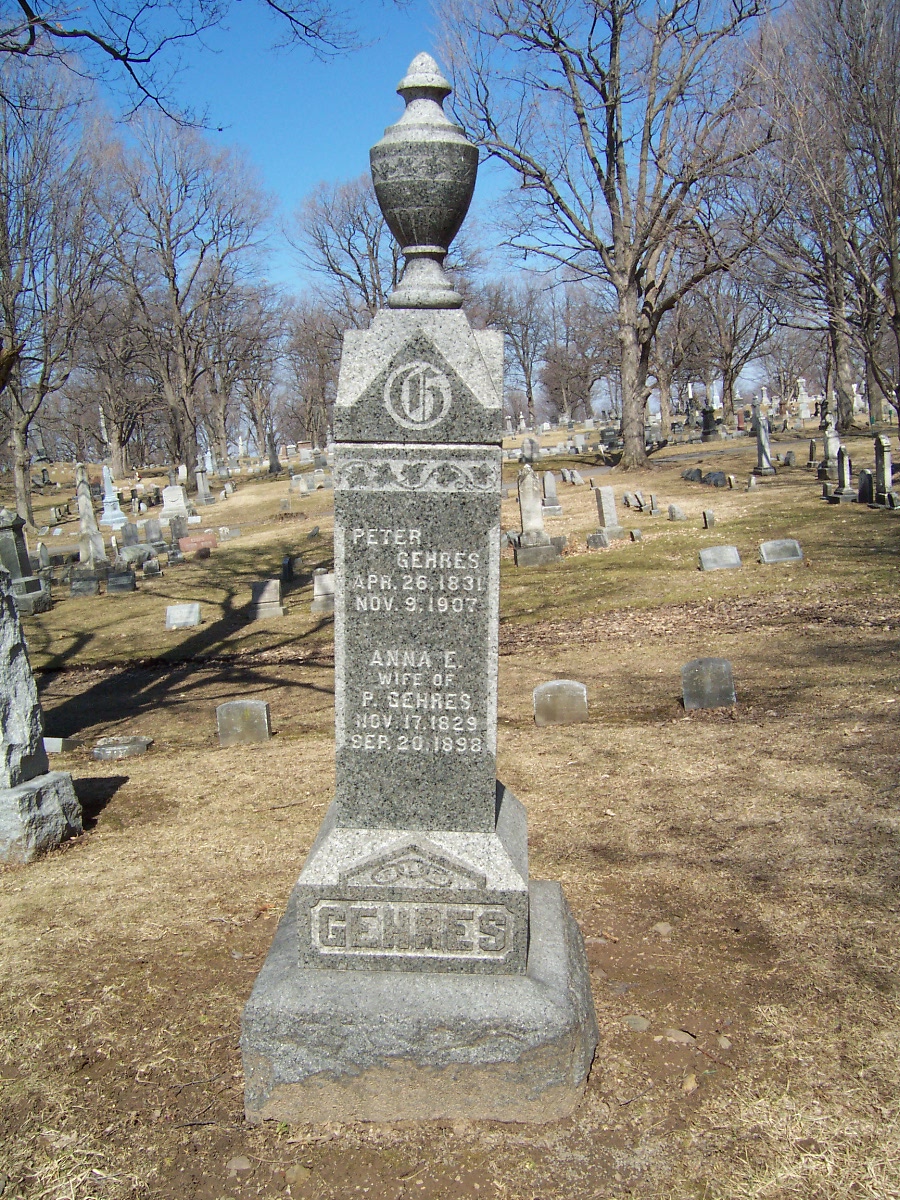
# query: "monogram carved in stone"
413,865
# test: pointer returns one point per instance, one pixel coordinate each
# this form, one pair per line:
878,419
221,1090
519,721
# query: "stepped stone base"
37,816
324,1045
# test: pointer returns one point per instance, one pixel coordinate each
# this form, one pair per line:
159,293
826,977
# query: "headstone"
204,495
764,464
710,432
560,702
707,683
130,535
313,534
198,541
298,484
58,745
266,601
606,512
577,479
732,481
43,556
883,471
174,504
790,459
287,569
318,480
151,567
32,594
91,551
550,504
153,531
598,540
110,749
709,518
323,591
240,722
120,581
813,459
636,535
676,514
866,493
751,482
828,465
692,475
38,807
420,866
531,450
780,550
719,558
716,479
112,515
182,616
654,509
535,547
844,493
182,473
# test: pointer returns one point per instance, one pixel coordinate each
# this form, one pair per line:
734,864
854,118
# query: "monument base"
763,471
37,816
324,1045
535,556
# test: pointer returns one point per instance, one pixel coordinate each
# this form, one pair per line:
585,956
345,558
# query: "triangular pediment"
413,863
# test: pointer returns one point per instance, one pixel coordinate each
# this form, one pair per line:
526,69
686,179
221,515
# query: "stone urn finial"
424,174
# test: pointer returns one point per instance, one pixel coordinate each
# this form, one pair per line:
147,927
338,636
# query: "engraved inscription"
412,929
417,395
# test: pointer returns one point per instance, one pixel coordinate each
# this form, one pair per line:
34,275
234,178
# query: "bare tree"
742,317
50,259
623,119
187,230
580,350
340,234
518,306
138,43
313,356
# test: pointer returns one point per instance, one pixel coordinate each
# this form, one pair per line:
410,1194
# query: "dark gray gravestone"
692,475
598,540
707,683
715,479
243,721
420,864
560,702
866,493
84,583
719,558
781,550
120,581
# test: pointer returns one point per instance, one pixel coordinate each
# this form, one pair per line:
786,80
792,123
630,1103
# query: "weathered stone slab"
56,745
182,616
535,556
719,558
560,702
676,514
243,721
120,581
780,550
37,816
323,591
598,540
110,748
709,518
198,541
266,599
707,683
606,512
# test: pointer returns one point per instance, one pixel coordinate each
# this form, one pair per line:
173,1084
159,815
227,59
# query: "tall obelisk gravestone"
421,865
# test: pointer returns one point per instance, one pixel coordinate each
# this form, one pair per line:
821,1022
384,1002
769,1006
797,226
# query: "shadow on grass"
94,793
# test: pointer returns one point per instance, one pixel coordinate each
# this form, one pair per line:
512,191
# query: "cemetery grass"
735,874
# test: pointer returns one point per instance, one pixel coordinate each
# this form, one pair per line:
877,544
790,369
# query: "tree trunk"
274,465
634,454
874,394
219,434
728,382
664,387
18,443
843,372
116,451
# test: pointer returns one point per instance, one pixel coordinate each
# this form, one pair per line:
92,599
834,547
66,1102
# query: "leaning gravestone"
560,702
38,807
719,558
239,722
780,550
417,973
707,683
535,546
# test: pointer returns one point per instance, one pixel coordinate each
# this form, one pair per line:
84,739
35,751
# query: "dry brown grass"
767,839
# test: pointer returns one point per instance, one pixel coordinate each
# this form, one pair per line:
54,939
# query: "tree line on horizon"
699,187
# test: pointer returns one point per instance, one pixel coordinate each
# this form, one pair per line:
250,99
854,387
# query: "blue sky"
301,121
